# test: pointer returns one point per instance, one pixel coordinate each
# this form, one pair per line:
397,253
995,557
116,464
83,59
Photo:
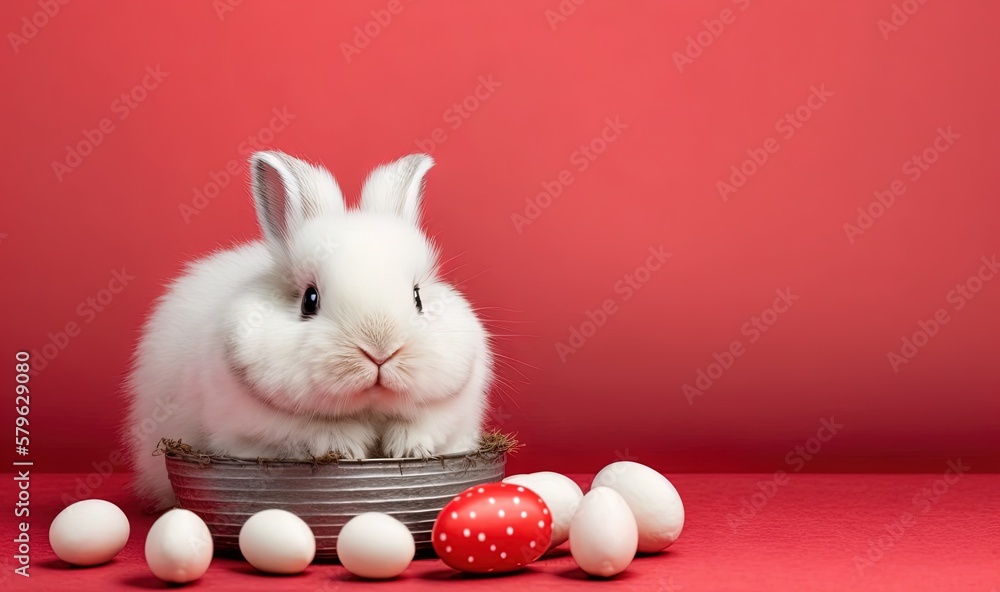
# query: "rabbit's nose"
380,357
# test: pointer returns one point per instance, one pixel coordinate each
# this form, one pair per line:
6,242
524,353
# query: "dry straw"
492,446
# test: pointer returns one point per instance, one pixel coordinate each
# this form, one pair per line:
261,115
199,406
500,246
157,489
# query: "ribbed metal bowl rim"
487,457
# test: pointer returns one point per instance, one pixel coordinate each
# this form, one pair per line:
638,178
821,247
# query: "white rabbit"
333,333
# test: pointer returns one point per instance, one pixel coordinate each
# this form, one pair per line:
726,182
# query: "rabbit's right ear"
288,191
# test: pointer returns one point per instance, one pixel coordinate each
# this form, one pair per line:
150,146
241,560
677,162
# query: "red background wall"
64,234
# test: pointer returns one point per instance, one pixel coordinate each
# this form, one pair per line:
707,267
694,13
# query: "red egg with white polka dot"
495,527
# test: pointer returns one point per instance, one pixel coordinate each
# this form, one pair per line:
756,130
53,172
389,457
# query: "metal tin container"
225,492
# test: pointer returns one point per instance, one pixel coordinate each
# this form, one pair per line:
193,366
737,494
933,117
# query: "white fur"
228,364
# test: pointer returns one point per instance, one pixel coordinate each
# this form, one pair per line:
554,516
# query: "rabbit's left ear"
288,191
396,188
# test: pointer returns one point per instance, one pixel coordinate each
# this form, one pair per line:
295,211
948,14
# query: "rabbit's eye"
416,299
310,302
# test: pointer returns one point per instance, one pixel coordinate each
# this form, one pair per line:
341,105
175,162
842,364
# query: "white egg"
179,547
654,502
89,532
560,493
375,545
276,541
603,535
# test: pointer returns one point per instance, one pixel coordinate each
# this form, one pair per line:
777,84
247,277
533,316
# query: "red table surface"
815,532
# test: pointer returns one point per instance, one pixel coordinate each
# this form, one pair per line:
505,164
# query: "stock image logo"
287,279
958,298
753,330
624,290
